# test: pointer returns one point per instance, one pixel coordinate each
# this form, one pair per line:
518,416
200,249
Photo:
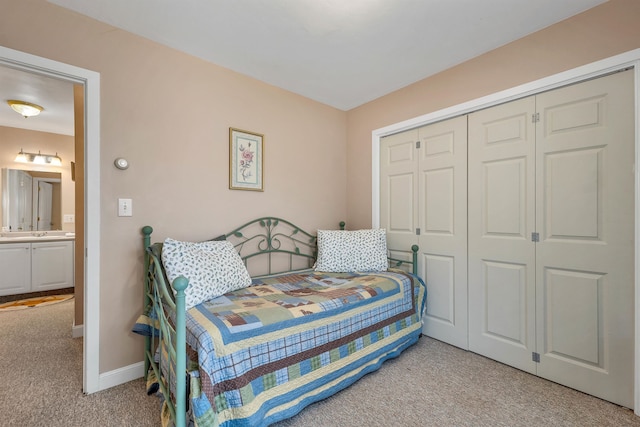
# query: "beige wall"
12,140
601,32
169,114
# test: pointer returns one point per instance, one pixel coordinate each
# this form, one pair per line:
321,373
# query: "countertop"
22,237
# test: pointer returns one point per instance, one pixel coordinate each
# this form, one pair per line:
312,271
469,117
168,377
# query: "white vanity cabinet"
36,266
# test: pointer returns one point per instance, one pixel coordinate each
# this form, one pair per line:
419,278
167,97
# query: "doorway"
90,82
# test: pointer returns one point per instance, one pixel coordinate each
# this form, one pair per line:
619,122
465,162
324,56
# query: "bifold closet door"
551,235
399,191
501,220
585,218
442,198
423,201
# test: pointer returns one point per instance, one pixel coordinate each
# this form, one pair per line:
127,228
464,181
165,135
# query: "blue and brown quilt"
267,351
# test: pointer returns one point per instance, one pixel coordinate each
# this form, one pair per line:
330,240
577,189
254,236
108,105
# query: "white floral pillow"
348,251
212,268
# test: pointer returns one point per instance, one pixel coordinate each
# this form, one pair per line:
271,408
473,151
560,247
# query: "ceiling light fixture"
39,159
25,109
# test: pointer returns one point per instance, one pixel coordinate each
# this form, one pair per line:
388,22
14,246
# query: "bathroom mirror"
31,200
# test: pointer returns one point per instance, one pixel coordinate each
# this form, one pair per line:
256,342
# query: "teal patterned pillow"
213,268
342,251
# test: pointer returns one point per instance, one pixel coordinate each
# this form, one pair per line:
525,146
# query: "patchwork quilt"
267,351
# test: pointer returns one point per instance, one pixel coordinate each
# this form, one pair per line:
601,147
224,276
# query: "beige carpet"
431,384
435,384
42,377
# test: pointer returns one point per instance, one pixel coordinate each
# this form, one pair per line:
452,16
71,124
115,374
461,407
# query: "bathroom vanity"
36,261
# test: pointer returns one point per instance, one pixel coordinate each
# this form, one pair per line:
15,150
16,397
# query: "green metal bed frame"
268,238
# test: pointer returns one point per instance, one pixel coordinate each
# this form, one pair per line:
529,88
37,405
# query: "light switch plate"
69,218
125,207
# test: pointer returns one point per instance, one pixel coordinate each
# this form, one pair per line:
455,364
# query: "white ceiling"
54,95
343,53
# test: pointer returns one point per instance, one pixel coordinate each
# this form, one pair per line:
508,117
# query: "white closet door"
442,199
399,191
501,220
585,187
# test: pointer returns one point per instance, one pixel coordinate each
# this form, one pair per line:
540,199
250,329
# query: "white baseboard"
121,376
77,331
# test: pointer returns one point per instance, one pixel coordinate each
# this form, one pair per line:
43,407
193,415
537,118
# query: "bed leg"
180,284
146,231
415,249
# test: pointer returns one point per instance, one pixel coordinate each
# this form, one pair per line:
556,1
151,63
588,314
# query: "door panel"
505,304
501,220
439,196
575,115
442,198
571,295
440,304
400,218
505,200
573,195
584,261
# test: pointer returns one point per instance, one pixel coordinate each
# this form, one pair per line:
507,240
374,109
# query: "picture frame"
246,160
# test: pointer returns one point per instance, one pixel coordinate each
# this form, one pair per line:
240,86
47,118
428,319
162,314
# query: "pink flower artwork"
246,161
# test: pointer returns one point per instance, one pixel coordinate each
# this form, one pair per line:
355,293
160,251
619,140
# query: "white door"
442,207
501,220
585,217
399,191
45,200
17,185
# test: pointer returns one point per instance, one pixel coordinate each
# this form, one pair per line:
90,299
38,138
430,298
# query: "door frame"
91,83
630,59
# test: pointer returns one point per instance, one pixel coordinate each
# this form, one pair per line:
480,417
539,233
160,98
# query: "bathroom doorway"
87,179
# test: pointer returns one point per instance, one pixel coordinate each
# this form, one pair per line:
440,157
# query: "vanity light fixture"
26,109
39,158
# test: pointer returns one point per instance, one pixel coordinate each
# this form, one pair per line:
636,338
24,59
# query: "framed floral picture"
246,160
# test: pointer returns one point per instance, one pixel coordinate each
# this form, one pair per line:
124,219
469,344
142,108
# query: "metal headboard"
275,237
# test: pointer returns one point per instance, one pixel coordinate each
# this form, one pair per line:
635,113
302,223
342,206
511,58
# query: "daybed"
303,330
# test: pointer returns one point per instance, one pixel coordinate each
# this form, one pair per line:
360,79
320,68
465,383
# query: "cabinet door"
51,265
15,265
